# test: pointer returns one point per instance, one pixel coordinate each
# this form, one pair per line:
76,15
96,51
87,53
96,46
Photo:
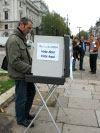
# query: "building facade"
12,10
95,30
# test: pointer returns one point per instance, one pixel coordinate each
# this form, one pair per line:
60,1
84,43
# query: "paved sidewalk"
82,106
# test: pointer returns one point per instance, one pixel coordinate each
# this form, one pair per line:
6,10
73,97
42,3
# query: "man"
19,64
93,49
82,49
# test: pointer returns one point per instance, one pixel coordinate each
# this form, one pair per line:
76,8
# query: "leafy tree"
53,24
83,33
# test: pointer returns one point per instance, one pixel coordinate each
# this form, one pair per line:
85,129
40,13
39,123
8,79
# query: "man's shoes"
90,71
25,123
74,69
30,117
93,72
82,69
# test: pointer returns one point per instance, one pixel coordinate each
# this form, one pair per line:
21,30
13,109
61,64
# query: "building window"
6,26
6,2
6,14
20,15
20,4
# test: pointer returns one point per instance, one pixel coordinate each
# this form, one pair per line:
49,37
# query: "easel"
52,88
56,42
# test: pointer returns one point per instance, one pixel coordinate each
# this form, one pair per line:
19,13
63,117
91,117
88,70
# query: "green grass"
3,74
5,85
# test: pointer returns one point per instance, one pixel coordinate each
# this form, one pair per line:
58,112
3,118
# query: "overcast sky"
81,13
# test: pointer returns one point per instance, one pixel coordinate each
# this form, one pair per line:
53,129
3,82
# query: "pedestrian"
75,44
19,64
93,49
82,49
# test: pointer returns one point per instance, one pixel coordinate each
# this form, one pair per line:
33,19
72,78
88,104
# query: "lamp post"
52,29
67,23
79,31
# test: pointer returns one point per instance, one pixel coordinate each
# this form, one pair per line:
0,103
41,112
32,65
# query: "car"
29,43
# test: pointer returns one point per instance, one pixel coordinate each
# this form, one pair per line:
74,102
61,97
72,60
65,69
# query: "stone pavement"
82,106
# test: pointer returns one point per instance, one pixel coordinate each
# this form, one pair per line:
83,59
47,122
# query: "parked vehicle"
3,41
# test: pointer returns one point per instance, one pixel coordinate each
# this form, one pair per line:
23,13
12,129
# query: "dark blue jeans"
73,63
25,93
81,62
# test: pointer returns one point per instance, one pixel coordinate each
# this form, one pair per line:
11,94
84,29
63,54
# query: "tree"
53,24
83,33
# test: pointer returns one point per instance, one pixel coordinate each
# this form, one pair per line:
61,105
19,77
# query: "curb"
7,97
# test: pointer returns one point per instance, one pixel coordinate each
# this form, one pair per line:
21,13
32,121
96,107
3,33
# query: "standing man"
19,64
93,49
82,49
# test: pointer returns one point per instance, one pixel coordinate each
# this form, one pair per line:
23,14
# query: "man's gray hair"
25,21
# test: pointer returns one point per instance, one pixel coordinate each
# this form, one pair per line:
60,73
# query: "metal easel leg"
42,101
44,104
59,103
66,89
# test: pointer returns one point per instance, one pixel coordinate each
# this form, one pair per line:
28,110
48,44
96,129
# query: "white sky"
81,13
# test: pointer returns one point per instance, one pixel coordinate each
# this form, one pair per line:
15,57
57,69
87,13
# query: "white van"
3,41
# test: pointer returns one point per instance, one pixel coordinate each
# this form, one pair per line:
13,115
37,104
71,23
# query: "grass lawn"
5,83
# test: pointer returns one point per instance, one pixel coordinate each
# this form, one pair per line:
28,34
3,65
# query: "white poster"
48,51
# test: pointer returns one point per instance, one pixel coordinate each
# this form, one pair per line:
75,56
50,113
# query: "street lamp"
52,29
67,24
79,31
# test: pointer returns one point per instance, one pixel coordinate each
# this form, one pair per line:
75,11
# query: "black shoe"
74,69
82,69
30,117
25,123
93,72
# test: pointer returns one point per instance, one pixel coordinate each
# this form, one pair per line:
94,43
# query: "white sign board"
48,51
48,56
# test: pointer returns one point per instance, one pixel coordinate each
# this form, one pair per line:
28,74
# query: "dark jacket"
19,59
75,50
81,50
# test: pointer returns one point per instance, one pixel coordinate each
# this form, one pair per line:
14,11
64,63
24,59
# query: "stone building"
98,28
95,30
12,10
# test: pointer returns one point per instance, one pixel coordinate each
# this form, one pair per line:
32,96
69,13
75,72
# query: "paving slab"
97,97
79,94
96,93
40,127
6,123
97,87
83,103
63,101
11,109
78,117
79,129
52,101
82,87
77,75
44,116
92,82
60,91
98,116
79,81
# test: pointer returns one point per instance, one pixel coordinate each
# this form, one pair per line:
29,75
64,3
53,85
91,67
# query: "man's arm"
14,57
